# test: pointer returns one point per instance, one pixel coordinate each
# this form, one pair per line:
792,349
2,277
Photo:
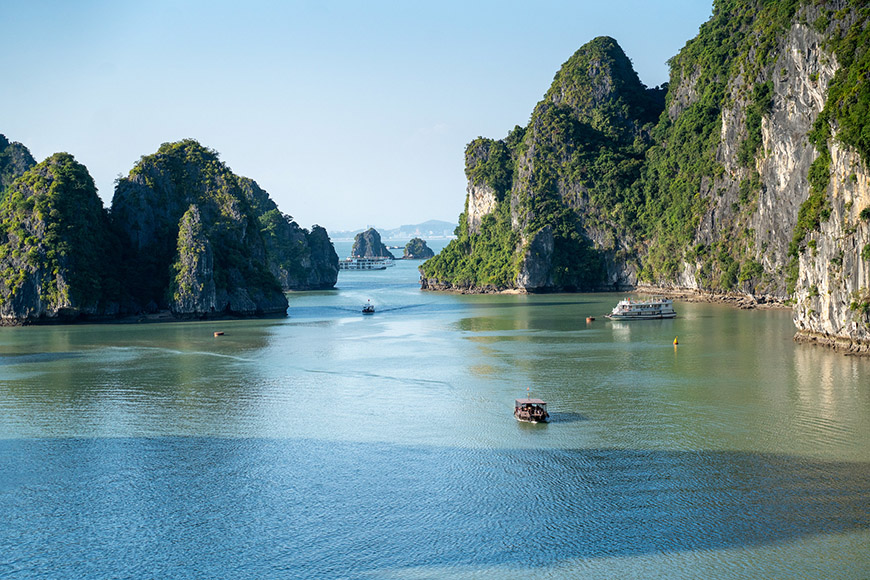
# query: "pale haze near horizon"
350,114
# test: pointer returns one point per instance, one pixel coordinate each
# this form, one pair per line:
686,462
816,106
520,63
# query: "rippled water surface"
334,445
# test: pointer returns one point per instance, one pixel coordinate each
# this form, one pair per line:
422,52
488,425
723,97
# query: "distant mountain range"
429,230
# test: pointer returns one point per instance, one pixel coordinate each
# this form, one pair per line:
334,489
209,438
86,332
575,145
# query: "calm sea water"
335,445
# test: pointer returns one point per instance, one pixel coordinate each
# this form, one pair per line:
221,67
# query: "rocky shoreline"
840,344
742,301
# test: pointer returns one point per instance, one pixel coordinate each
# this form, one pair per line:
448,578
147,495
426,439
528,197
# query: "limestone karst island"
745,176
184,235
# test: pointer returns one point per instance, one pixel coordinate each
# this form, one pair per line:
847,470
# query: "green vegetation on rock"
848,102
581,153
15,159
150,204
184,234
417,249
58,246
619,172
481,261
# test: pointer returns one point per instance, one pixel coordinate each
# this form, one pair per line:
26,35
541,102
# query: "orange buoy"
590,318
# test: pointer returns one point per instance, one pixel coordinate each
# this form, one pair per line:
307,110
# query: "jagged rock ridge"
299,259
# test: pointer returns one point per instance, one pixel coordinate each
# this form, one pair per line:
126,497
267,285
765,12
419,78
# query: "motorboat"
531,411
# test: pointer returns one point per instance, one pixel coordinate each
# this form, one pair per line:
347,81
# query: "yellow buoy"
675,341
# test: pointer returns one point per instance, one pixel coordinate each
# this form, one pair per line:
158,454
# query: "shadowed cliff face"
216,263
417,249
58,254
299,259
368,244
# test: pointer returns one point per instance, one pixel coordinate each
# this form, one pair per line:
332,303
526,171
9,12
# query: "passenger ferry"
653,308
365,263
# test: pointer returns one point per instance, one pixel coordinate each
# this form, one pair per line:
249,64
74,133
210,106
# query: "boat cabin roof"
519,402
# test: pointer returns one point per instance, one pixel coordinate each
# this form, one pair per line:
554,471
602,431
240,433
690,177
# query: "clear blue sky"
350,113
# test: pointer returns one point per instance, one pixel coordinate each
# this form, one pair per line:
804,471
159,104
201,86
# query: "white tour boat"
653,308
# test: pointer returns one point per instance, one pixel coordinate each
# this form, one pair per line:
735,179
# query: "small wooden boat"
368,308
531,410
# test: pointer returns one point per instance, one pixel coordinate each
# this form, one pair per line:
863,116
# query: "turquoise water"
334,445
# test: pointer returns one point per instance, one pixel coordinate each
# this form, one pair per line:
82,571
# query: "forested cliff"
184,234
749,176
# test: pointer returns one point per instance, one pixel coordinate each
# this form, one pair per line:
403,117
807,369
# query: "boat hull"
641,316
653,309
533,421
532,418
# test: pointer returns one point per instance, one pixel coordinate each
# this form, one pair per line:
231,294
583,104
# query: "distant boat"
365,263
531,411
368,308
651,309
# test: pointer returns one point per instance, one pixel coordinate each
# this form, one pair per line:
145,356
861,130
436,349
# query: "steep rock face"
797,102
482,198
15,159
368,244
481,202
832,300
549,206
186,183
194,280
322,261
299,259
779,218
741,243
535,271
58,257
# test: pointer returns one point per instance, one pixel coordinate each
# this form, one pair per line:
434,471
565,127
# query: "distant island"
416,249
432,229
368,244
